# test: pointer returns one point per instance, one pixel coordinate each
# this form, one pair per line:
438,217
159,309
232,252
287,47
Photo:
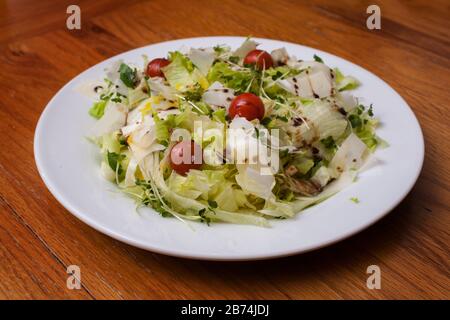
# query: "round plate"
69,166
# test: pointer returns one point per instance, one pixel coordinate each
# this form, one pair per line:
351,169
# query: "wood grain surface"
39,238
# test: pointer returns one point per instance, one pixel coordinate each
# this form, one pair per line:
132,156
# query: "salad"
240,136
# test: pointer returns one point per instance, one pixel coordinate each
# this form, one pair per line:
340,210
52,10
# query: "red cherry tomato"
247,105
186,155
154,67
261,58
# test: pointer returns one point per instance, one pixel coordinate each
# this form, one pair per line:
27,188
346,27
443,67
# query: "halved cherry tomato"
186,155
154,67
262,59
247,105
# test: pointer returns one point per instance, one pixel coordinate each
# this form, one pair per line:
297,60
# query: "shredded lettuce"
344,180
178,72
252,181
324,135
140,93
162,128
303,165
113,119
234,79
323,122
345,82
181,73
98,109
364,125
219,115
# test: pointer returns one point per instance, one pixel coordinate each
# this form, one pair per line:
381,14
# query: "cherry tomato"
186,155
247,105
261,58
154,67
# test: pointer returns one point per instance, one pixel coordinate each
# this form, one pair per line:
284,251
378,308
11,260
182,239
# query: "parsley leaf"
114,160
329,142
354,199
355,121
128,75
318,59
234,59
219,49
370,111
195,94
265,121
236,80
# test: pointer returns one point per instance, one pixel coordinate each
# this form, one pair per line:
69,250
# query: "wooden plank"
20,19
28,269
424,26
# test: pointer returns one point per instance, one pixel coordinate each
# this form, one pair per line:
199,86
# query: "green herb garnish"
114,160
354,199
318,59
98,109
355,121
328,142
128,75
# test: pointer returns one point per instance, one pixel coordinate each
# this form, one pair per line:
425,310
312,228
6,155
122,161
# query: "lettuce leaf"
236,80
345,82
323,122
277,209
178,71
98,109
220,115
135,96
181,73
364,125
345,179
252,181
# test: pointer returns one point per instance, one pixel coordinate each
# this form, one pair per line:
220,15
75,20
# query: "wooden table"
39,238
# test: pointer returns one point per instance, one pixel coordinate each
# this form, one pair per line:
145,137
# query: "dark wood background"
39,238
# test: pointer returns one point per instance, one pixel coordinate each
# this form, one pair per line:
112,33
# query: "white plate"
69,166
